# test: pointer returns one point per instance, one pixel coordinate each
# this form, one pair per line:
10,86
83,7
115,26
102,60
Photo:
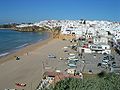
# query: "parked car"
109,57
51,56
72,65
75,59
71,54
71,57
61,58
104,63
72,61
113,64
105,60
112,58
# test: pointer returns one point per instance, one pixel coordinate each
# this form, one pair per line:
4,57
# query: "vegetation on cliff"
29,29
105,82
8,25
54,30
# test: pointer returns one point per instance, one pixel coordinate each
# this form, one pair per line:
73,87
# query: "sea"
11,41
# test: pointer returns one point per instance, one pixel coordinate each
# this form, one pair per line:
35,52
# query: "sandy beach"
32,63
26,49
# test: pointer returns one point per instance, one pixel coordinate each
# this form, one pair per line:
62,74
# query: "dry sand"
31,66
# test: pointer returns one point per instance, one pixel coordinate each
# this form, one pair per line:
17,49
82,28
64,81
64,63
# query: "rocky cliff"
29,29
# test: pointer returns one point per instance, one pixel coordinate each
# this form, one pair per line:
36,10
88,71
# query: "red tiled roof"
60,76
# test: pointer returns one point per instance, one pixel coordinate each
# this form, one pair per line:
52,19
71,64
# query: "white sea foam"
4,54
22,45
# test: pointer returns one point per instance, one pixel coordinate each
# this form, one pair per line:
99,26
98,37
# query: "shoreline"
27,49
7,28
31,67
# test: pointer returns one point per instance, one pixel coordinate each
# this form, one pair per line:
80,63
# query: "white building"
98,40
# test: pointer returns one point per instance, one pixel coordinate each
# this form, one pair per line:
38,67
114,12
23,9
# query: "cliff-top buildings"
80,27
97,32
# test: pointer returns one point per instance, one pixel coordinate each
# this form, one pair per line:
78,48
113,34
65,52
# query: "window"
99,47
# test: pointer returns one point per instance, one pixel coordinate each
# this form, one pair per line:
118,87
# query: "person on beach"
27,53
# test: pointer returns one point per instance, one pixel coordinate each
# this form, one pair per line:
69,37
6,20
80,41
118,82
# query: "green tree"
106,82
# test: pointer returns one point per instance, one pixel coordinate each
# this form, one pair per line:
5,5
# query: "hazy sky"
36,10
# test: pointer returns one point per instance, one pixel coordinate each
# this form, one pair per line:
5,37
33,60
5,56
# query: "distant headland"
58,26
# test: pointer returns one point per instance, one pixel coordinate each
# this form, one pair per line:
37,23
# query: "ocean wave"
22,45
4,54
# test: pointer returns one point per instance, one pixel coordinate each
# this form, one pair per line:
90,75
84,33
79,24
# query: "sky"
37,10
